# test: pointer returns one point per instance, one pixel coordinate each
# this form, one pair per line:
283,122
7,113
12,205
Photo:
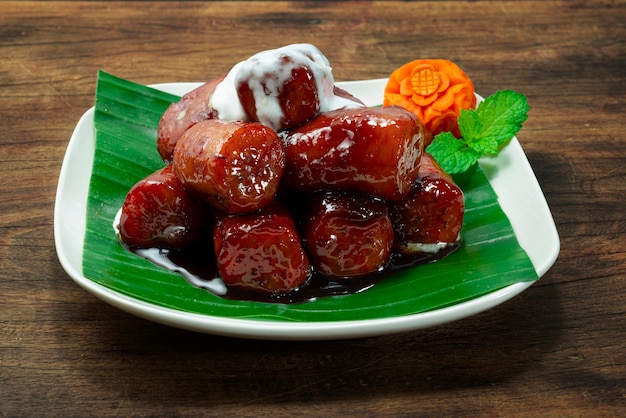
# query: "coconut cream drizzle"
266,90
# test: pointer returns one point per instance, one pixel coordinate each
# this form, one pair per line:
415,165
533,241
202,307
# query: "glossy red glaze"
348,235
432,212
298,97
192,108
235,166
371,150
260,251
157,212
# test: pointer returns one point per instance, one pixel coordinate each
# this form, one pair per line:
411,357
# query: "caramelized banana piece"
285,87
431,216
192,108
348,235
369,150
235,166
260,251
158,212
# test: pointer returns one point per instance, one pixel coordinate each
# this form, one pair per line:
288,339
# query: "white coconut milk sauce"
266,90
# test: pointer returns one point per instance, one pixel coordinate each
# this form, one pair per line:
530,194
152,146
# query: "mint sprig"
484,131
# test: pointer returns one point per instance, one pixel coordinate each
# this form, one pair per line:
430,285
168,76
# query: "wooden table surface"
559,348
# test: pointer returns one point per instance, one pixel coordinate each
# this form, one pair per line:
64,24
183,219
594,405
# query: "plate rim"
369,92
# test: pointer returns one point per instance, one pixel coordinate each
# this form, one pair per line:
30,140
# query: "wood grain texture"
557,349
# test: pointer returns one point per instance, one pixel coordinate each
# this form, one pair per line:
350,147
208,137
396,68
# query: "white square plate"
509,173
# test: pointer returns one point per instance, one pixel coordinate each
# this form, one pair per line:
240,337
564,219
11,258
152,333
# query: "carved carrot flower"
435,90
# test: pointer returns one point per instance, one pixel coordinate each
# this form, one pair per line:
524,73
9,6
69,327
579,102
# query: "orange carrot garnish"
435,90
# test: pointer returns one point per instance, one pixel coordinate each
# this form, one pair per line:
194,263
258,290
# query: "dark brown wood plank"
557,349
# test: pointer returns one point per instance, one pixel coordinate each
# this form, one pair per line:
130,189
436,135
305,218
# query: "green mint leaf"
471,127
501,116
469,122
483,131
452,154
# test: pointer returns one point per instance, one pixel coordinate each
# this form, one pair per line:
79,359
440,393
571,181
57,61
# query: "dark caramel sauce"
198,266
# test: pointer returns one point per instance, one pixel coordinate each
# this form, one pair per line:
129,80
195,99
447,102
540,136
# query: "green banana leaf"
126,119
